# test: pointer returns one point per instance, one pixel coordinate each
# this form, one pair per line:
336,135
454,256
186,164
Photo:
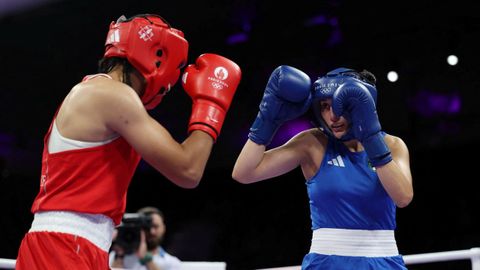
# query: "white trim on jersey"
58,143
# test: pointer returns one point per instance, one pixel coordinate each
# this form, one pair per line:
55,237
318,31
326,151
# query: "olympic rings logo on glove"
217,86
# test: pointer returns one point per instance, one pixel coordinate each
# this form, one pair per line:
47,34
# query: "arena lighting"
12,6
428,103
392,76
452,60
241,19
333,22
237,38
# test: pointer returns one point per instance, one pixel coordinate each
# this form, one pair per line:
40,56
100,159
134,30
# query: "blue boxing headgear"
324,88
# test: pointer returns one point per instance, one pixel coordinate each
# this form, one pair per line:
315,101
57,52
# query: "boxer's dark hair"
368,77
106,64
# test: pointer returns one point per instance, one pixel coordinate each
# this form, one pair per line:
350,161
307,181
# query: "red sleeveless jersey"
91,180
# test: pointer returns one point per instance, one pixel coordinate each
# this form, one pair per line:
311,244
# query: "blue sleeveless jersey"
346,193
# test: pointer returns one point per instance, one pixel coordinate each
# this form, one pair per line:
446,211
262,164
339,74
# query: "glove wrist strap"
205,128
377,150
207,116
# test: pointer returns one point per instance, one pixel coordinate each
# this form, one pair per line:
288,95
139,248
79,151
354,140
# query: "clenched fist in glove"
287,96
211,83
353,100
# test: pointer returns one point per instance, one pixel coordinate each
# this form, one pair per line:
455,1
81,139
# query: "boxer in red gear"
101,131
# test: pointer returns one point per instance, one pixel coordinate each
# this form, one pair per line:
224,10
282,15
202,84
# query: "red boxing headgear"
154,48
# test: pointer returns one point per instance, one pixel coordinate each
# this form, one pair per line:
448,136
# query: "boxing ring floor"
472,254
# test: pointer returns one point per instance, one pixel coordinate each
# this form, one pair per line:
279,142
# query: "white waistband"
98,229
343,242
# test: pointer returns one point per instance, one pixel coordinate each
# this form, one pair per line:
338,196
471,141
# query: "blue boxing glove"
354,101
287,96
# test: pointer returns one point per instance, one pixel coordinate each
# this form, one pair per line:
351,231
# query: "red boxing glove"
211,83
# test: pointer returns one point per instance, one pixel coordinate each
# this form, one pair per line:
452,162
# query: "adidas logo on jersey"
338,161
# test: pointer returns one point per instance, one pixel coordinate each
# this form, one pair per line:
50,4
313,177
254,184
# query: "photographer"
137,243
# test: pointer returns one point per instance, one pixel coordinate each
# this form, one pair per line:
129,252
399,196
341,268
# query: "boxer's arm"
286,96
396,176
255,164
182,163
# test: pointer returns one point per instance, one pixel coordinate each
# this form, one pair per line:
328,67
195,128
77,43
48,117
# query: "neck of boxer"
135,80
353,145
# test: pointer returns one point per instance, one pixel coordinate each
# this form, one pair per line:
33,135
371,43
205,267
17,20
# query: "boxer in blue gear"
356,174
355,97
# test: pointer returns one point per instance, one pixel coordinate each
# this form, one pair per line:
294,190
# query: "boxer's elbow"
188,178
241,177
404,200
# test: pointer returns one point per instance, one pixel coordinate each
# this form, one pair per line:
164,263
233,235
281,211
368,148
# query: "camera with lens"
128,236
